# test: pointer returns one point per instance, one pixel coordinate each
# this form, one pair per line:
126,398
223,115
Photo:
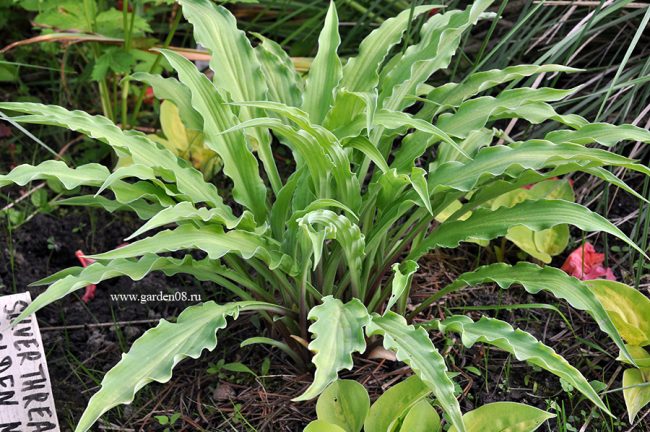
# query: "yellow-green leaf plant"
629,309
406,407
318,240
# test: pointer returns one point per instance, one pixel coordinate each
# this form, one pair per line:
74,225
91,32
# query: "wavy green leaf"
601,133
413,347
486,224
126,143
535,279
360,73
282,80
85,175
325,71
154,355
403,274
338,333
454,94
185,211
210,239
238,162
523,346
440,37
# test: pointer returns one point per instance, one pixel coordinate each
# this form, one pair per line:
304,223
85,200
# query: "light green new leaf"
535,279
155,354
394,403
344,403
538,215
523,346
403,274
126,143
505,417
51,170
628,308
636,390
238,162
413,347
325,71
601,133
211,239
421,418
338,333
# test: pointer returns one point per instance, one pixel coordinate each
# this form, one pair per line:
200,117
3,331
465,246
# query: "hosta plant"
325,248
344,406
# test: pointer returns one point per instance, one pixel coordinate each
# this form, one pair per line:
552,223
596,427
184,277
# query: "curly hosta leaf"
283,82
360,73
534,154
142,208
185,211
535,279
504,417
86,175
239,164
154,355
325,71
601,133
338,333
391,406
413,347
126,143
636,390
344,403
440,38
527,103
403,274
339,228
628,308
454,94
210,239
348,188
486,224
523,346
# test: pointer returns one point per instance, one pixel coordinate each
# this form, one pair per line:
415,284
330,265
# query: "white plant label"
26,400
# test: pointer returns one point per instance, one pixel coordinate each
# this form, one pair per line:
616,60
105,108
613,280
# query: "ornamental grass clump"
334,240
